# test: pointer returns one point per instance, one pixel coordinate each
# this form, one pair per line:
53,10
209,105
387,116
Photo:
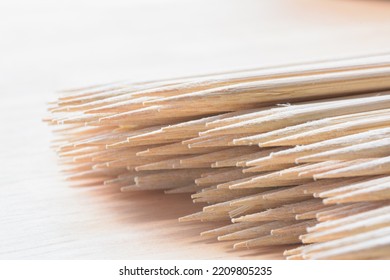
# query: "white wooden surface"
48,45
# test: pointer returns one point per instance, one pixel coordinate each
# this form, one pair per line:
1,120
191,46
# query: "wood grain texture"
47,47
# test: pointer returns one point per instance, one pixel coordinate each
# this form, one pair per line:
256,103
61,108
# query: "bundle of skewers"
290,155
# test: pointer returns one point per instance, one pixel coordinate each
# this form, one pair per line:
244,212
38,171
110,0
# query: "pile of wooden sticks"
296,154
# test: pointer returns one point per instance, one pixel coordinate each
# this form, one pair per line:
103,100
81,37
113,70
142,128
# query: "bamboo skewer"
281,155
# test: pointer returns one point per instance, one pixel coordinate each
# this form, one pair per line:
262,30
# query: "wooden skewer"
303,113
366,168
220,176
379,221
255,231
253,114
205,216
269,240
297,191
351,218
371,249
230,183
241,158
288,89
307,251
224,154
213,141
230,228
191,188
177,148
360,184
373,149
332,131
258,198
313,214
286,71
266,168
374,193
263,138
294,229
345,211
286,212
295,154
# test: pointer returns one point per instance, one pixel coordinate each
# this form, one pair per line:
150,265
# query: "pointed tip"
237,220
241,245
331,200
207,233
143,153
182,219
320,176
272,143
295,257
100,165
303,238
242,142
312,229
241,164
239,186
192,217
294,251
247,170
226,237
130,188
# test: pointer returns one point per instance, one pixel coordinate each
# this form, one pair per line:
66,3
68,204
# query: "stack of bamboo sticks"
297,154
